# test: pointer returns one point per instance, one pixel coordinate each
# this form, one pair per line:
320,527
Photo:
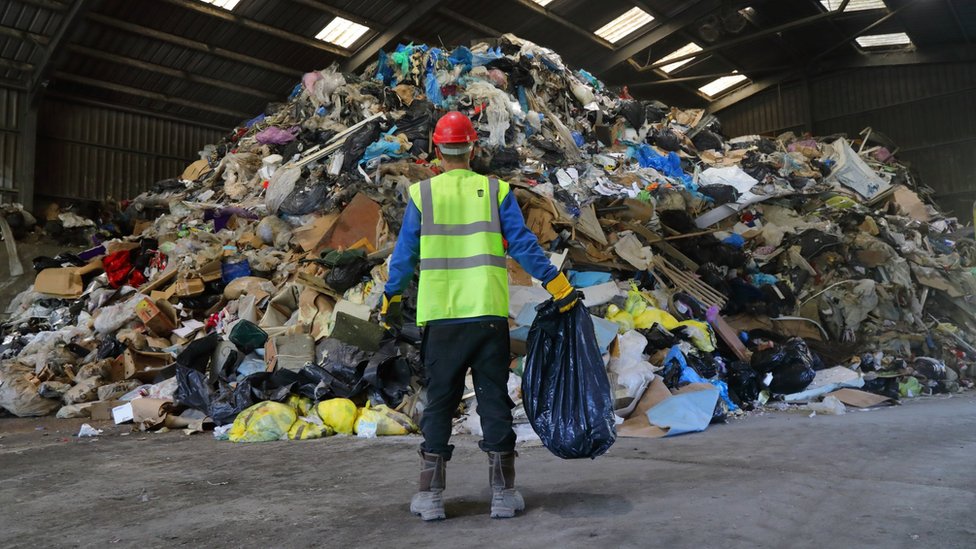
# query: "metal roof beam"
749,38
369,50
45,4
955,16
469,22
134,110
929,56
322,6
675,22
756,87
248,23
15,65
193,45
68,25
169,71
128,90
680,79
26,36
549,14
12,84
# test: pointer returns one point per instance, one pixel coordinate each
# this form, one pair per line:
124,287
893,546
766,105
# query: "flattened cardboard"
910,203
188,287
63,282
360,219
312,236
195,170
637,425
516,274
860,399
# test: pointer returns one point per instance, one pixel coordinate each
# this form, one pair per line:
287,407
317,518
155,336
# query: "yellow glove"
390,311
562,292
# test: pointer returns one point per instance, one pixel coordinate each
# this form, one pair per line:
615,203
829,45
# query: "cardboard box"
147,366
189,287
158,316
289,351
102,410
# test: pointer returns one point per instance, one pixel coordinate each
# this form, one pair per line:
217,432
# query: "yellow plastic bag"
302,405
339,414
382,421
307,430
263,422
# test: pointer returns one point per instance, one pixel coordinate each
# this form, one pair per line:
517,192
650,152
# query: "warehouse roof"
221,61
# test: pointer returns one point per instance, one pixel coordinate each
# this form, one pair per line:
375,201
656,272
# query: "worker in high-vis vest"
456,227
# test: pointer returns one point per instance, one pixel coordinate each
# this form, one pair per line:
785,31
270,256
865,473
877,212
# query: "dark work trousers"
448,351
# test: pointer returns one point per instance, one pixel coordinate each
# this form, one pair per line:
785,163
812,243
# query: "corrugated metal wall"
91,152
928,110
11,102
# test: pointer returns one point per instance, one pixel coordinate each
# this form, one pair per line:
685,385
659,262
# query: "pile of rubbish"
722,274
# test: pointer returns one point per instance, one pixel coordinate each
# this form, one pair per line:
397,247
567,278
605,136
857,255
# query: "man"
455,226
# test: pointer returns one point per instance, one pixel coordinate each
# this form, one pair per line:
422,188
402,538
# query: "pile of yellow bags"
639,313
298,419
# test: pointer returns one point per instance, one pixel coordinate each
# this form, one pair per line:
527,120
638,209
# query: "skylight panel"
342,32
690,47
854,5
719,85
228,5
630,21
543,3
884,40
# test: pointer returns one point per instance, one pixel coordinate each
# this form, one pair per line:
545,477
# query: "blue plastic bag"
565,389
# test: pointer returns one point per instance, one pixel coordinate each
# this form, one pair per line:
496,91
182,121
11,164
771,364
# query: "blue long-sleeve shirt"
523,246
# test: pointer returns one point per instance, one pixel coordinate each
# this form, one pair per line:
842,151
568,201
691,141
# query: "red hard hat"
454,127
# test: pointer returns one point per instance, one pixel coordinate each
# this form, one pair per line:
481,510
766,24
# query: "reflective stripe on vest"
429,228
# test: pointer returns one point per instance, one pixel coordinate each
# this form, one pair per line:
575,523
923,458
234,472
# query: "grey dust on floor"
898,477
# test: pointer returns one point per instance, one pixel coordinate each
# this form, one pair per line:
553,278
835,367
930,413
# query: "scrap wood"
689,283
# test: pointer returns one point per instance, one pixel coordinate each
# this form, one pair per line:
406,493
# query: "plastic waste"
339,414
88,431
382,421
566,392
19,396
790,363
263,422
309,428
248,336
830,405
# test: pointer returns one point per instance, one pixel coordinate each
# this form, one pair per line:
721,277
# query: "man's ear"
437,151
474,149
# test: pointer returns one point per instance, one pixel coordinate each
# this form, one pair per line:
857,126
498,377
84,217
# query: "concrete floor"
897,477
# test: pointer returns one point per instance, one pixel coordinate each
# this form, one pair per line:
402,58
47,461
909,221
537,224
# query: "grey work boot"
429,501
505,499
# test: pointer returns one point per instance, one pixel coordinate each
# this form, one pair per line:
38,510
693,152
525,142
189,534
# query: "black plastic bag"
198,353
566,392
790,363
743,382
223,405
305,198
633,112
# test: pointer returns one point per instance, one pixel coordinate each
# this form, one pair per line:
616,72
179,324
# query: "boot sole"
503,514
431,517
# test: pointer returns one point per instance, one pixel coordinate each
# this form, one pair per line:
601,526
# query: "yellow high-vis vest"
462,257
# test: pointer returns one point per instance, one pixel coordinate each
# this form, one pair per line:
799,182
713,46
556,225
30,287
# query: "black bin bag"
565,389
